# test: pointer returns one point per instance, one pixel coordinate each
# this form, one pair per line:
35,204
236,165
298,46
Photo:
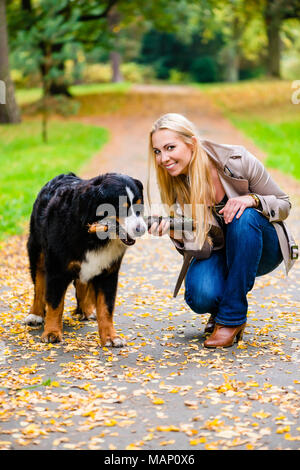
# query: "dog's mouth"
128,240
115,227
124,236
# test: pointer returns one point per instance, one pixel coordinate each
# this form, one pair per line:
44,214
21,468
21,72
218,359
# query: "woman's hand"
236,205
159,229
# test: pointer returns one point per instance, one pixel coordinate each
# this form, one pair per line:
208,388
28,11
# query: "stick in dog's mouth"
116,228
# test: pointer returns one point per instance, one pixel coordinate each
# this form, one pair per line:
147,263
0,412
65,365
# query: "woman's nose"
164,157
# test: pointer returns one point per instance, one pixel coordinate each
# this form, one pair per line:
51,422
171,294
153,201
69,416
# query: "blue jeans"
219,284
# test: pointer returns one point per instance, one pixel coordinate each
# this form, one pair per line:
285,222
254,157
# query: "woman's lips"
170,166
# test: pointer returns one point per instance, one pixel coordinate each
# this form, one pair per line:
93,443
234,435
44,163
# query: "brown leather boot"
224,336
210,325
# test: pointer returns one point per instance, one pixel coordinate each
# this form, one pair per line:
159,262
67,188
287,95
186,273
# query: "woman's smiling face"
171,152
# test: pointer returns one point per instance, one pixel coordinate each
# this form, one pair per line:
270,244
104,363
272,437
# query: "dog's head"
120,204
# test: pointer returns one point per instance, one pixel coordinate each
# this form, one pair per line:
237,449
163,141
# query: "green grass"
26,163
280,141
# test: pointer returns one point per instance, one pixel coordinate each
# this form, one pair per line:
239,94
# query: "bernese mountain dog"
62,249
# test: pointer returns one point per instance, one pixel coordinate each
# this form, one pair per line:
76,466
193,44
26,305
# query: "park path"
164,390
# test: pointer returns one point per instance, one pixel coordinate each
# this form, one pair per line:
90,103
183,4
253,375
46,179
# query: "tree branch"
111,3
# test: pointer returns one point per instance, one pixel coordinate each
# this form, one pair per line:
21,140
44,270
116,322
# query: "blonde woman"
239,212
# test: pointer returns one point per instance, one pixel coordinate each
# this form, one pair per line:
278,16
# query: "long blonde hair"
197,189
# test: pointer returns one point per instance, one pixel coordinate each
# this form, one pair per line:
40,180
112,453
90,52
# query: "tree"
9,111
274,13
31,23
230,18
115,56
46,46
162,14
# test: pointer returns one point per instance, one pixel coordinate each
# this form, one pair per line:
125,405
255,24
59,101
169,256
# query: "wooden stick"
176,223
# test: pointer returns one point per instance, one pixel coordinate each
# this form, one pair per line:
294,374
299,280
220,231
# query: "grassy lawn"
26,163
280,141
264,112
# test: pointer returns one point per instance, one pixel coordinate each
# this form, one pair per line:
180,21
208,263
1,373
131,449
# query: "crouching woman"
239,211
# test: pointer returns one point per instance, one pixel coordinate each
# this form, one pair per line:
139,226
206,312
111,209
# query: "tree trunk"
9,111
274,13
115,60
56,86
232,63
273,58
115,56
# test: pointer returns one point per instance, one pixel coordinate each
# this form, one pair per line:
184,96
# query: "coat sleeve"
275,204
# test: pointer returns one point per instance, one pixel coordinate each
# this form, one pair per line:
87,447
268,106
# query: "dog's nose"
140,229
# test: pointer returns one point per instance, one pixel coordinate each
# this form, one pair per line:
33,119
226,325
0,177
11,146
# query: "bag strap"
187,258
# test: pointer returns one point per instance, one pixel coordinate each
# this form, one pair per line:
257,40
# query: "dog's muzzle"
132,228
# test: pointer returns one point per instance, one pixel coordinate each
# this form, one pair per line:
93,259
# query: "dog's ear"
139,184
89,201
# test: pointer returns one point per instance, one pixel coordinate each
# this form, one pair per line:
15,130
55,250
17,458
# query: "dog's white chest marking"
98,260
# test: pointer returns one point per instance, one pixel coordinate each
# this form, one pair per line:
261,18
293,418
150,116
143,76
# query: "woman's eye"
170,147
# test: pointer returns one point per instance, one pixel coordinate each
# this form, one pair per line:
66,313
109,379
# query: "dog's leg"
55,295
105,300
53,324
85,296
37,311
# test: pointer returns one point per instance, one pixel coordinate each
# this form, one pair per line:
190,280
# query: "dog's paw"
51,337
85,317
33,320
116,342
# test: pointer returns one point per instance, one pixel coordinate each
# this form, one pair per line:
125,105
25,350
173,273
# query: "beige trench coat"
242,173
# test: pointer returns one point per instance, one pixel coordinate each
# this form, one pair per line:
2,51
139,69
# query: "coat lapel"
220,154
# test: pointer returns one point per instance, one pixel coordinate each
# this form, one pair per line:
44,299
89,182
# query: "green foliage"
26,163
204,69
137,73
47,43
166,52
97,73
131,72
175,76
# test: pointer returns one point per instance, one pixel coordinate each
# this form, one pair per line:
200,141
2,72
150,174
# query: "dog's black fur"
61,249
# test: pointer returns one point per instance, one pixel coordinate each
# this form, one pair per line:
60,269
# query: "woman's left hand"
236,206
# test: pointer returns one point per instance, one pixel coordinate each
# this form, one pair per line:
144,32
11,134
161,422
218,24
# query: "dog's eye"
138,213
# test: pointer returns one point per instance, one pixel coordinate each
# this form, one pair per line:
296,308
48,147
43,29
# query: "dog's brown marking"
85,294
107,332
53,323
74,267
139,201
38,305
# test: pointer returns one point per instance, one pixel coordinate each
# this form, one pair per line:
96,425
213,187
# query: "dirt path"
164,390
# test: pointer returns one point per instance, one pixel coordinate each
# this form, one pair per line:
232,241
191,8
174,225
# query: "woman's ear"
194,141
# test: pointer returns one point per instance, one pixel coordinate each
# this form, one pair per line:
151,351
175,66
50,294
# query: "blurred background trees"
55,44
